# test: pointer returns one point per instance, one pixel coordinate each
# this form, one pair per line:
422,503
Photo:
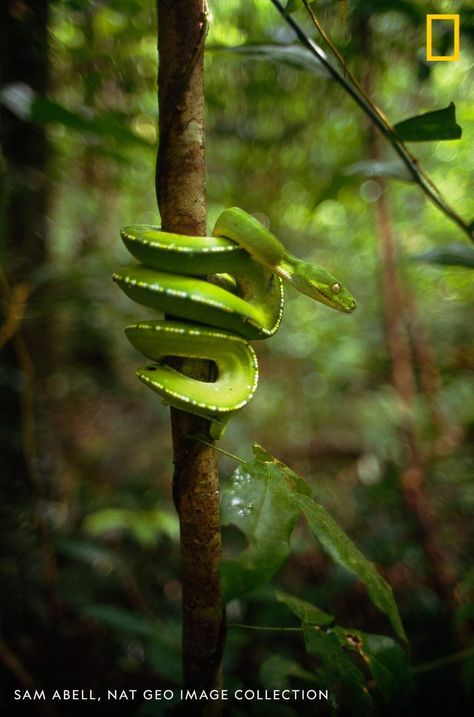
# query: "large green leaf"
384,657
263,499
338,669
293,55
121,620
435,125
455,254
305,610
259,500
343,551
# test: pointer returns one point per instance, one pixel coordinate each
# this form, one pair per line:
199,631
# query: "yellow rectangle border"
429,39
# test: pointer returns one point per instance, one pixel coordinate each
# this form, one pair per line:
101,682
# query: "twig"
442,661
15,311
263,628
219,450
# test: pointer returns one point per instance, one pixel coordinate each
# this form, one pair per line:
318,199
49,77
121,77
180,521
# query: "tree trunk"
24,350
182,26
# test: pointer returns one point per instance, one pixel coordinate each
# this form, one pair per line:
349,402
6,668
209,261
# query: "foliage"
287,145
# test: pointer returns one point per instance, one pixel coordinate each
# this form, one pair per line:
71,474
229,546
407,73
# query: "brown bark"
25,348
414,474
425,363
180,187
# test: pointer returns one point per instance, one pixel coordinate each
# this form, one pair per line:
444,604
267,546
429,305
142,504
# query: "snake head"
317,283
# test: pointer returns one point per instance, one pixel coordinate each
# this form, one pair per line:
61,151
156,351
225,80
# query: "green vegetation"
373,412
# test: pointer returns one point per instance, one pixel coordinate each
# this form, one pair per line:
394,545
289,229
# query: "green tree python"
224,290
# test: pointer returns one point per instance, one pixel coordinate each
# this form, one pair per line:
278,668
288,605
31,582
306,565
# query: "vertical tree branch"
182,26
397,317
23,250
413,478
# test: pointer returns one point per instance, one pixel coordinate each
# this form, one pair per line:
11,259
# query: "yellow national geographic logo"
429,38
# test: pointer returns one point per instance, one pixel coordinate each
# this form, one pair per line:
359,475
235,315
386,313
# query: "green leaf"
341,549
259,500
372,168
24,102
144,526
304,610
162,646
293,55
455,254
45,111
263,499
121,620
163,652
384,657
339,669
95,556
277,670
435,125
263,457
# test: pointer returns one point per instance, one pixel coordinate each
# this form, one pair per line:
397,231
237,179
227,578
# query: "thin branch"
262,628
10,329
219,450
378,118
15,311
442,661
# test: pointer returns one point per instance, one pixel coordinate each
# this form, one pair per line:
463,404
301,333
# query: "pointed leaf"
338,668
262,456
259,500
435,125
304,610
384,657
372,168
455,254
26,104
121,620
293,55
341,549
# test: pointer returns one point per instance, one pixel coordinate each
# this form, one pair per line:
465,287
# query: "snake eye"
336,288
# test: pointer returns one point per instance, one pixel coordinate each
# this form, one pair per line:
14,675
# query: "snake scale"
224,290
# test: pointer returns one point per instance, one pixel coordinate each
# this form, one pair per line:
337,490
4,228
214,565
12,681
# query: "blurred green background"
90,565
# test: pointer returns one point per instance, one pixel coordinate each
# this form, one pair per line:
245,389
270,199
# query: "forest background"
374,410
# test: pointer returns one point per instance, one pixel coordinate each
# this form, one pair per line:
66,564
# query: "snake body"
224,290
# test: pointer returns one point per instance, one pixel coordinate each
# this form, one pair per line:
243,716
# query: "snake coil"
227,289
